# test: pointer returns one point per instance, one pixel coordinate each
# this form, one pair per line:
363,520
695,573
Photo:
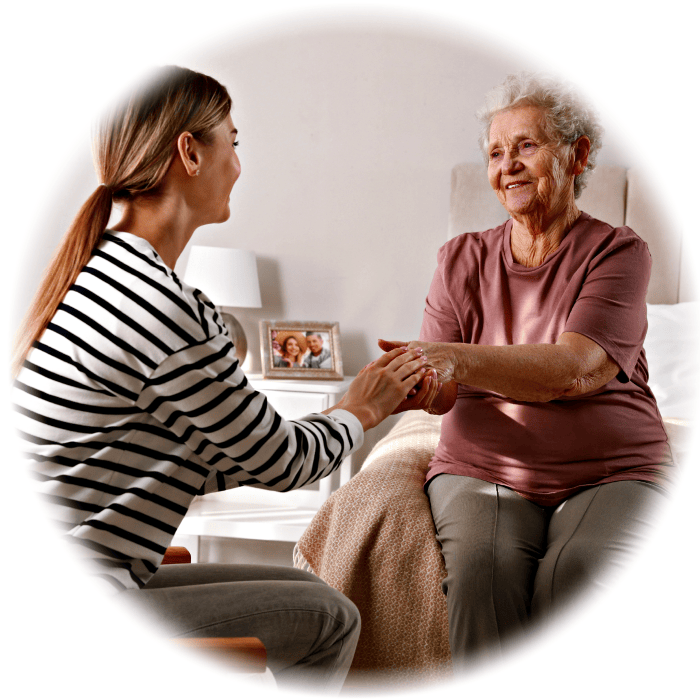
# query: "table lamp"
229,277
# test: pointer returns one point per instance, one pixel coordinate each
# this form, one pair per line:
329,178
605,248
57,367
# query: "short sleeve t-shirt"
593,284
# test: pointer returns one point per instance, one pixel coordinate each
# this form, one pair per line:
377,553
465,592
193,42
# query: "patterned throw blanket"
374,540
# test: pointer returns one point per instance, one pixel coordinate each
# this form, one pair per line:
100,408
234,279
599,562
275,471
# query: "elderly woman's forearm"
542,372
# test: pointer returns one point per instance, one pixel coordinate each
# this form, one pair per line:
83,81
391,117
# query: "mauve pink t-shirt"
594,284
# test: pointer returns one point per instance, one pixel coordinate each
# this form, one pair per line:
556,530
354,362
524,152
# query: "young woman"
130,400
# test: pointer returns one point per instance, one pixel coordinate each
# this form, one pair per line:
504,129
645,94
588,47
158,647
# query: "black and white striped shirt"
132,403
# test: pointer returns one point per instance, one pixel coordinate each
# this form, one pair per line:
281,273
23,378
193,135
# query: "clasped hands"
441,365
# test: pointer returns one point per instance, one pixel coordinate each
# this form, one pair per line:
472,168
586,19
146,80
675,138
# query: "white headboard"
614,194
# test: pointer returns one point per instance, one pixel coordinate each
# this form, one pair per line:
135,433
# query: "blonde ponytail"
71,256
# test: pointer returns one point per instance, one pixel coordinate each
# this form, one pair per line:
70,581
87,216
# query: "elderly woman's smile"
528,169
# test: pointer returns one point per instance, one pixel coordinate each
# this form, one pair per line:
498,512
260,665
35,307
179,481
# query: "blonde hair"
134,147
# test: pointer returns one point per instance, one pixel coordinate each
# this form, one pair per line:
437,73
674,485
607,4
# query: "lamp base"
235,330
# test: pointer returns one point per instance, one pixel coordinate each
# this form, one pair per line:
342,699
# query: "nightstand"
248,513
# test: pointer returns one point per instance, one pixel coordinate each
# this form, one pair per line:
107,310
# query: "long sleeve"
201,395
132,403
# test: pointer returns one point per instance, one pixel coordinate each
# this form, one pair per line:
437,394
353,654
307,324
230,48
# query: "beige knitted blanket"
374,540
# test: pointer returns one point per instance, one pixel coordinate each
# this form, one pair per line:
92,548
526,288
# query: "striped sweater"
132,403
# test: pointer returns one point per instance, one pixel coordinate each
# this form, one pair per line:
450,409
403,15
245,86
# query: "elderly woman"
552,451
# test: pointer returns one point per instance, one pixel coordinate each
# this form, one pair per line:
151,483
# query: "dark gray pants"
511,562
309,629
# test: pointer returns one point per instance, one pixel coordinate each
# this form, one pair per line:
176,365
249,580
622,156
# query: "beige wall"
348,134
347,142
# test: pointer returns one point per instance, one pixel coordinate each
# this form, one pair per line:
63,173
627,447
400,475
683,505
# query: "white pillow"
672,347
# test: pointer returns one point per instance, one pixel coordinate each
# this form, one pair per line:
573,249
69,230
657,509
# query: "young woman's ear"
188,151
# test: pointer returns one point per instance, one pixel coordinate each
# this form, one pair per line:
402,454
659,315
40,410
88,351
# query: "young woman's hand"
382,385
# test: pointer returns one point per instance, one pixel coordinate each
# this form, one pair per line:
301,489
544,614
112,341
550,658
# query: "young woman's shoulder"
128,290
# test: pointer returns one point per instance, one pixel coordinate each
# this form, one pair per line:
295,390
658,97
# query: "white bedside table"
248,513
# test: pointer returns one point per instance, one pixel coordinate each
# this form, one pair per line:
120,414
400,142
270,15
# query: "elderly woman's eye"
527,147
494,154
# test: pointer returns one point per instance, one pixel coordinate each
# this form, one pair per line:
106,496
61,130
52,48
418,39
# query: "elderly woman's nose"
510,160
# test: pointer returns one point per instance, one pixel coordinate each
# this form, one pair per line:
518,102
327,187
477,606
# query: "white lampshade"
229,277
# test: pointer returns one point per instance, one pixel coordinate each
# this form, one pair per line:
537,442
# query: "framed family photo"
300,350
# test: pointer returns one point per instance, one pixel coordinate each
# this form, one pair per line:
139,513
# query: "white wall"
348,134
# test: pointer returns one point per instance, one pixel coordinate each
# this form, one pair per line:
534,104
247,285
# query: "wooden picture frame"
311,350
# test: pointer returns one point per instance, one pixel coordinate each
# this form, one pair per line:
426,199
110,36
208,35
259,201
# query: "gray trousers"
511,563
309,629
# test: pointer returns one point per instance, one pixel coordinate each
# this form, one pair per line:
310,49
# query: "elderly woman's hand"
422,396
440,356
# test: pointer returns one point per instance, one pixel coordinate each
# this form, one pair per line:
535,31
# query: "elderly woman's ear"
582,147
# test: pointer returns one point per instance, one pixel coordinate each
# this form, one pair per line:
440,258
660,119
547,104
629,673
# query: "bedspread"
374,540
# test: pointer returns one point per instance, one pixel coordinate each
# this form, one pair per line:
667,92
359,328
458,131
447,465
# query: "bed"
374,538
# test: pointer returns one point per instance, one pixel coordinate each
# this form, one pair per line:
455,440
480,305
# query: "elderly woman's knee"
477,571
562,579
